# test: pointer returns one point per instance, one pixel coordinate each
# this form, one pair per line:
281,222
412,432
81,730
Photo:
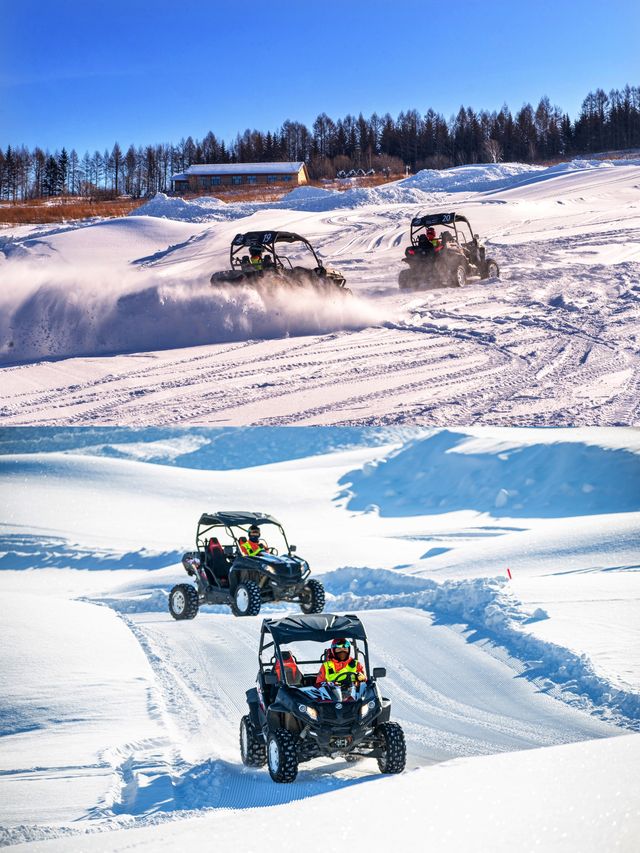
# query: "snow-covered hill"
116,720
115,321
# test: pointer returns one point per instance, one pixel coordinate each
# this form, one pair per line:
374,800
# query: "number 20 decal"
446,217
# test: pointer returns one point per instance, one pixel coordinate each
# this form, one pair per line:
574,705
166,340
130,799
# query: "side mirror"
292,549
270,678
380,672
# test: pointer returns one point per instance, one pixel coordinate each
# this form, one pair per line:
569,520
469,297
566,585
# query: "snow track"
452,698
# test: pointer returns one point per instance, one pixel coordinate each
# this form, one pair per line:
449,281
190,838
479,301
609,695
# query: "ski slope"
519,698
115,321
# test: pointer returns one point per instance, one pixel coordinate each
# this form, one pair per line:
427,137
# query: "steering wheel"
344,678
273,551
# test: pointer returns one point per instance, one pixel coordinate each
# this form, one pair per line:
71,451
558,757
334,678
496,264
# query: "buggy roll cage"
348,626
229,520
433,219
267,241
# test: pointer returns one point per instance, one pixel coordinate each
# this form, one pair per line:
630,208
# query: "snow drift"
436,474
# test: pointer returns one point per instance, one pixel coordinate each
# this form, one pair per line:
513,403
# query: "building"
210,175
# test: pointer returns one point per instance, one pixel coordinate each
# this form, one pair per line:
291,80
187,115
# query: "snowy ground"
114,322
520,698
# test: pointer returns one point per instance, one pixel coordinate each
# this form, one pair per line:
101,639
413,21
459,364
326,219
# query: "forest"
541,134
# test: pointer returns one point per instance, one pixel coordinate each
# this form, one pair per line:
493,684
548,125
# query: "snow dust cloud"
62,311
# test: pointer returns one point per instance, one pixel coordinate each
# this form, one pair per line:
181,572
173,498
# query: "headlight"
310,712
366,709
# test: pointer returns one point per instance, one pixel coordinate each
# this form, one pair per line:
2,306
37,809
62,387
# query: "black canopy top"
318,627
437,219
266,238
230,519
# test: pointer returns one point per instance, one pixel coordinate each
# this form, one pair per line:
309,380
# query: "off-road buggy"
223,574
458,256
281,258
292,720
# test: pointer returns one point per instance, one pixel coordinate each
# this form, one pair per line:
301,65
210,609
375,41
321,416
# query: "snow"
519,698
583,796
115,321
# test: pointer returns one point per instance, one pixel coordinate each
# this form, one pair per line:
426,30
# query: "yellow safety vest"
252,550
332,673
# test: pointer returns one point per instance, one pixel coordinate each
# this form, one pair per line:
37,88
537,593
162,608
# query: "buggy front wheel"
282,758
491,269
312,597
392,747
246,599
459,275
252,748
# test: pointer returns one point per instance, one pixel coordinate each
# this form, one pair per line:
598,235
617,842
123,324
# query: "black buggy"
290,720
223,574
458,256
278,257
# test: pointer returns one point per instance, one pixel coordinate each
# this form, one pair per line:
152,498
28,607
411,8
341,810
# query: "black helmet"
255,250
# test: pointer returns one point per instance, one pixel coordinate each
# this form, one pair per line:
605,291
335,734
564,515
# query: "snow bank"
486,606
437,474
60,311
425,187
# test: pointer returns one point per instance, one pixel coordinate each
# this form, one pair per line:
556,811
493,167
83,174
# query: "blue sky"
83,74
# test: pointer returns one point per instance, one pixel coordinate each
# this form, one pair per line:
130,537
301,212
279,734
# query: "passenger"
431,237
267,263
339,665
252,547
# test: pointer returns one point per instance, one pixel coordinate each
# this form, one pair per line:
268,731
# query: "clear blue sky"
83,73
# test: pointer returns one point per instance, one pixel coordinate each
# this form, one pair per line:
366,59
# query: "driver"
252,546
340,666
255,258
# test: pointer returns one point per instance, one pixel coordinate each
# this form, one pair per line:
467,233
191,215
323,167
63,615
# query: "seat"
216,562
292,675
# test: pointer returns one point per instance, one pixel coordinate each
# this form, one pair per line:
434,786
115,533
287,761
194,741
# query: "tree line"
605,122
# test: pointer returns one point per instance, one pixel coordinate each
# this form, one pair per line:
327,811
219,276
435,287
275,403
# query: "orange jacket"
337,666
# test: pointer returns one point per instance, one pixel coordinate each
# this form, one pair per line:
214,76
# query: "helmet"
431,232
255,250
340,644
254,533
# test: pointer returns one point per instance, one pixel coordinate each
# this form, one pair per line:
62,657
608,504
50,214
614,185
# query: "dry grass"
41,211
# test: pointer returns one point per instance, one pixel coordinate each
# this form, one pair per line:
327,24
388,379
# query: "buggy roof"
231,519
266,238
318,627
437,219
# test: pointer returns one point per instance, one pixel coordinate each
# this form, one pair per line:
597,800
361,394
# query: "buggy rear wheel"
312,597
246,599
393,747
407,280
252,747
282,758
183,601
